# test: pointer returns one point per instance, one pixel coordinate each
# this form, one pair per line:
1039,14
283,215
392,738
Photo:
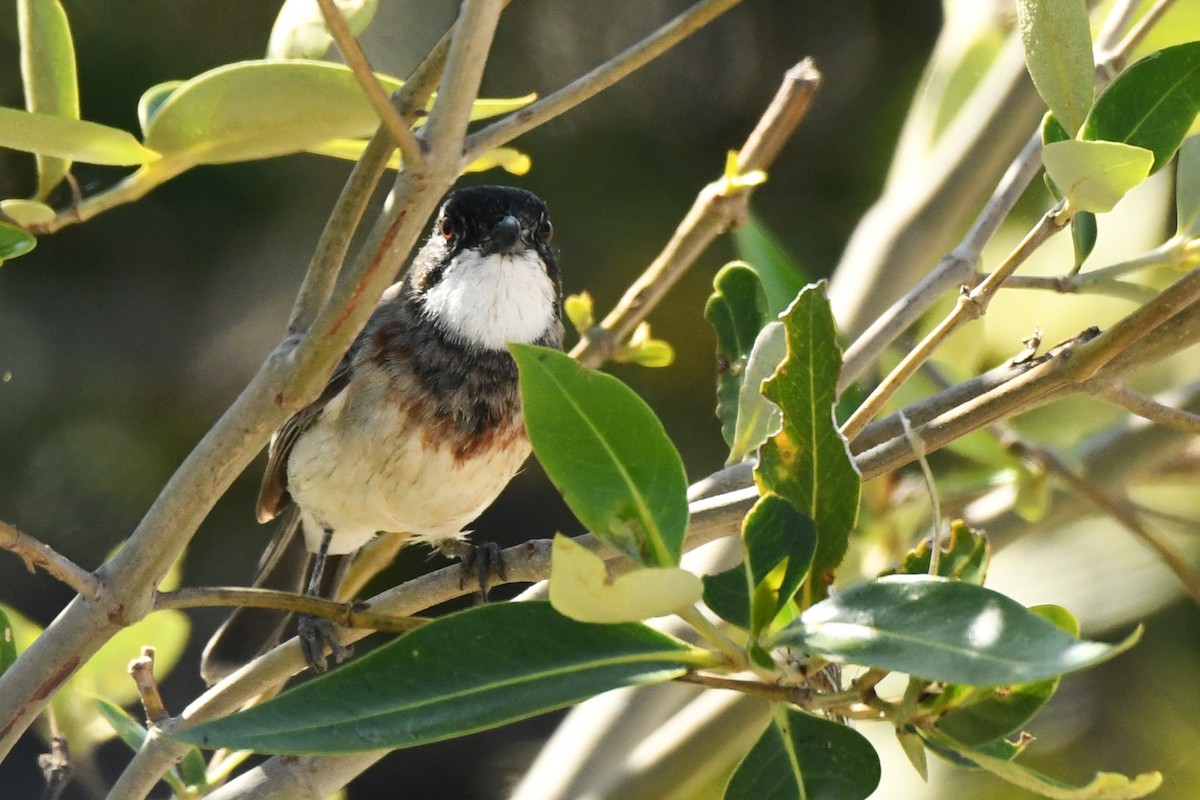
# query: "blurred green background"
123,339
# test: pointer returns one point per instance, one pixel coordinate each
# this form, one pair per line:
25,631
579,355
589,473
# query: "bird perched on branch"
420,425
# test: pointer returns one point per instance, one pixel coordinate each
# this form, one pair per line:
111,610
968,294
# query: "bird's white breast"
494,300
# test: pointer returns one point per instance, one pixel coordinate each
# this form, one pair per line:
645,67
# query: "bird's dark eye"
546,230
446,228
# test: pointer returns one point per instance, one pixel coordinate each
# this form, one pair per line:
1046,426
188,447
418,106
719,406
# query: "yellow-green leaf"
1095,175
71,139
1058,52
508,159
580,587
300,32
27,212
48,74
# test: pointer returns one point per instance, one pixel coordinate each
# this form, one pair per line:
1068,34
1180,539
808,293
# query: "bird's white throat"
493,300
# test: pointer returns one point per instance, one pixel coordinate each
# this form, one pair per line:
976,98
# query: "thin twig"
971,305
1122,514
141,669
1149,408
935,503
599,79
1140,29
716,207
56,767
36,554
356,59
348,615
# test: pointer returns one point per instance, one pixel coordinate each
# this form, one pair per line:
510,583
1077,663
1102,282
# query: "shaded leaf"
1151,104
464,672
942,630
728,597
803,756
808,462
1094,176
737,310
48,75
580,587
1187,189
965,556
1083,236
8,643
1104,786
71,139
782,277
758,418
779,542
14,241
299,30
1058,52
607,453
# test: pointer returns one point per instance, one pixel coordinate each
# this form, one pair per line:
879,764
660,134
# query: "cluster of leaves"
981,664
1096,149
283,104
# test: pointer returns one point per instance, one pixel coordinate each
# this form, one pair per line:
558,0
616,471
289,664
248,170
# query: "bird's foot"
315,634
483,558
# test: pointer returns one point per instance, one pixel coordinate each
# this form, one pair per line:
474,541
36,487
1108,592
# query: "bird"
420,426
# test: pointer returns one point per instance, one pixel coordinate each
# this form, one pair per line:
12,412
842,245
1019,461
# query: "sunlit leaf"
464,672
26,212
607,453
808,461
1094,176
802,756
299,30
1152,104
508,159
71,139
1058,52
580,587
152,100
48,75
943,630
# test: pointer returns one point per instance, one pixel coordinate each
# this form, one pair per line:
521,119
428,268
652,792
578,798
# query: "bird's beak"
505,238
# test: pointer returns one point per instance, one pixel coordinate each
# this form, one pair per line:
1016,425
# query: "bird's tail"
250,632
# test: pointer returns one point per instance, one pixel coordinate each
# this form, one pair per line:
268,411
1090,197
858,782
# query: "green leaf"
1187,188
607,453
258,109
71,139
802,756
300,32
781,276
725,593
48,75
758,419
464,672
508,159
1083,236
1093,176
942,630
1151,104
14,241
580,587
131,732
8,643
1104,786
737,310
964,557
808,462
979,716
779,543
1058,52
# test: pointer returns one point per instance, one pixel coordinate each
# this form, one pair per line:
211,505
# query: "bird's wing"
273,495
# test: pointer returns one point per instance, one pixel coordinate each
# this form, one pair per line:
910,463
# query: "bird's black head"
488,274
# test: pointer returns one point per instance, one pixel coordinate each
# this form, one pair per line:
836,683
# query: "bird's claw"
315,634
484,558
